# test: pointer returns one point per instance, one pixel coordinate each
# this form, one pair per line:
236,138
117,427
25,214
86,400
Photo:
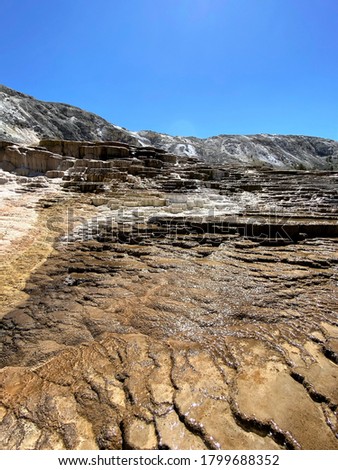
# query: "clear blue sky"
185,67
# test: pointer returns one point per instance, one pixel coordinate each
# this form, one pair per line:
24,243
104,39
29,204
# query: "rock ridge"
26,120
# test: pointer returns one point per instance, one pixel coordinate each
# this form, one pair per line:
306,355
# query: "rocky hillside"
23,119
286,151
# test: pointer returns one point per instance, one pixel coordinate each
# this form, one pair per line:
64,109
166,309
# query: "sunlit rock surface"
151,301
24,119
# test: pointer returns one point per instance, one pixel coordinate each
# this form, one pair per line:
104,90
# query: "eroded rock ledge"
180,305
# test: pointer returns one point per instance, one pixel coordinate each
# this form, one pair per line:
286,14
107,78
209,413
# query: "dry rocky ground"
154,303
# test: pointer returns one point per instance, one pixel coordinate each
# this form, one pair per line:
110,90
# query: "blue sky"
184,67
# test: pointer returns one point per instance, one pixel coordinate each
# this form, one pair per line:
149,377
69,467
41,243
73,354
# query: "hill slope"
287,151
24,119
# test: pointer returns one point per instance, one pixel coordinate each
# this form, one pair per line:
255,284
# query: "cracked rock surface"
144,321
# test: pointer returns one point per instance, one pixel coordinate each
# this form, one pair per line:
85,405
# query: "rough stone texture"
34,160
157,316
147,305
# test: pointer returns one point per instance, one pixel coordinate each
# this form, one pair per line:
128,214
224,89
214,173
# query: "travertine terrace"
154,301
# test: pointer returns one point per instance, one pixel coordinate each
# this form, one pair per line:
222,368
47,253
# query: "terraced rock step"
154,302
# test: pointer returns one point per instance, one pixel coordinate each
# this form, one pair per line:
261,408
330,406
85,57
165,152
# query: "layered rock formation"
23,119
153,301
